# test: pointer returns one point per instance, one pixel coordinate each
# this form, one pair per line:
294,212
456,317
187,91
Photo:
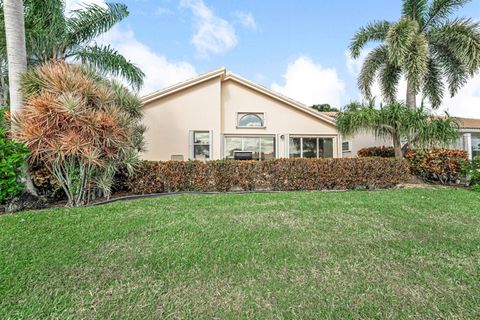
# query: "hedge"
436,164
279,175
384,152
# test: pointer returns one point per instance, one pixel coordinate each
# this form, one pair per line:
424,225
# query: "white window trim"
349,149
287,143
262,116
192,144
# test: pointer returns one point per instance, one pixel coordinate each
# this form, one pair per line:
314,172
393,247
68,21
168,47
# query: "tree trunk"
411,96
397,146
17,65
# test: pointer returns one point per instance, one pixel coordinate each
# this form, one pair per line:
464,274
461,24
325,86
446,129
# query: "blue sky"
296,47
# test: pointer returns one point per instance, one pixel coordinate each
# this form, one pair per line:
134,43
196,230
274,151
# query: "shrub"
383,152
13,157
435,164
82,127
280,175
472,171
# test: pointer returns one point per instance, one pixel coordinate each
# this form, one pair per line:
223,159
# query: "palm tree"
426,46
398,121
52,35
17,65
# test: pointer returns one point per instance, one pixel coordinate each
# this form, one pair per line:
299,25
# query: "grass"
412,253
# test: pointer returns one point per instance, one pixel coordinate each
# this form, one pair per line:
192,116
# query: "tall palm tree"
398,121
17,64
426,46
53,35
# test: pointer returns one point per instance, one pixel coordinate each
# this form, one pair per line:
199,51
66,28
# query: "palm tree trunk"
17,65
397,146
411,96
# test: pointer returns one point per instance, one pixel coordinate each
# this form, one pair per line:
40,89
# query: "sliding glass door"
261,148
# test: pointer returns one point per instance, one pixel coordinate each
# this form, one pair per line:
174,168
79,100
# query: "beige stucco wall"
169,120
280,118
213,106
364,140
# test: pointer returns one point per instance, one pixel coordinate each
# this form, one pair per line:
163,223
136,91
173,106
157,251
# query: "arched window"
250,120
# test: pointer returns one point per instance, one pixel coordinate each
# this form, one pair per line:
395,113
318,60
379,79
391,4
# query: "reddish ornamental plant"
74,123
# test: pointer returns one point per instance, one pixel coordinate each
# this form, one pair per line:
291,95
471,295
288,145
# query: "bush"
83,128
13,156
280,175
472,171
383,152
435,164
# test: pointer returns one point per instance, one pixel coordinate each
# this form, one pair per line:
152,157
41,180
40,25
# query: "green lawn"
412,253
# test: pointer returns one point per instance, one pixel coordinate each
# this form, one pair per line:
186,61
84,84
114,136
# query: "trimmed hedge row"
279,175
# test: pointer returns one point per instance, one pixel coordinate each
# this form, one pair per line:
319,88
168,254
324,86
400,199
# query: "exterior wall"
364,140
170,119
281,119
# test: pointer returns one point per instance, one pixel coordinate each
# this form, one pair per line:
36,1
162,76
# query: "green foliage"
472,170
279,174
425,46
325,107
398,121
53,35
13,156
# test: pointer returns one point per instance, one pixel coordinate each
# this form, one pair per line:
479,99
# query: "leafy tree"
398,121
426,46
52,35
325,107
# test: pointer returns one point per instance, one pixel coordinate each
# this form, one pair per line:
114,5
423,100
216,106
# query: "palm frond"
415,10
375,31
108,60
389,77
400,38
462,36
92,20
434,86
415,62
377,58
440,10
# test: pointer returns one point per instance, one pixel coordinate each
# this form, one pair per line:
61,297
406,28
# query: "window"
475,145
346,146
310,147
262,148
250,120
201,145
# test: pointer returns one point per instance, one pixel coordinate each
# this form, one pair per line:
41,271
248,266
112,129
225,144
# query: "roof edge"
183,85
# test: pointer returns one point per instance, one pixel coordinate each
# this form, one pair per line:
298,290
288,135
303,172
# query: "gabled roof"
226,76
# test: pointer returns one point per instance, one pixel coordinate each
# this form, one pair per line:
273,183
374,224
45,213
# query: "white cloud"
310,83
213,34
159,71
246,19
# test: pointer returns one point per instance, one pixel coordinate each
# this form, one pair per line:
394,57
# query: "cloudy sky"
298,48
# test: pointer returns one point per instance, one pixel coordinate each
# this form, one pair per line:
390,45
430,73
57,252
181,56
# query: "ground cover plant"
409,253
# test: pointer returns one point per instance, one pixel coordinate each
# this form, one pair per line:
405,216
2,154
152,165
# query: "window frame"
193,144
241,115
242,137
317,138
349,146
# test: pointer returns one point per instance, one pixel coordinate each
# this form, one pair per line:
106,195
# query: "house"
220,115
468,139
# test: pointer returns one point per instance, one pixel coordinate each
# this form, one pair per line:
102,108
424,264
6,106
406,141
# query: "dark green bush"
280,175
383,152
13,156
472,171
